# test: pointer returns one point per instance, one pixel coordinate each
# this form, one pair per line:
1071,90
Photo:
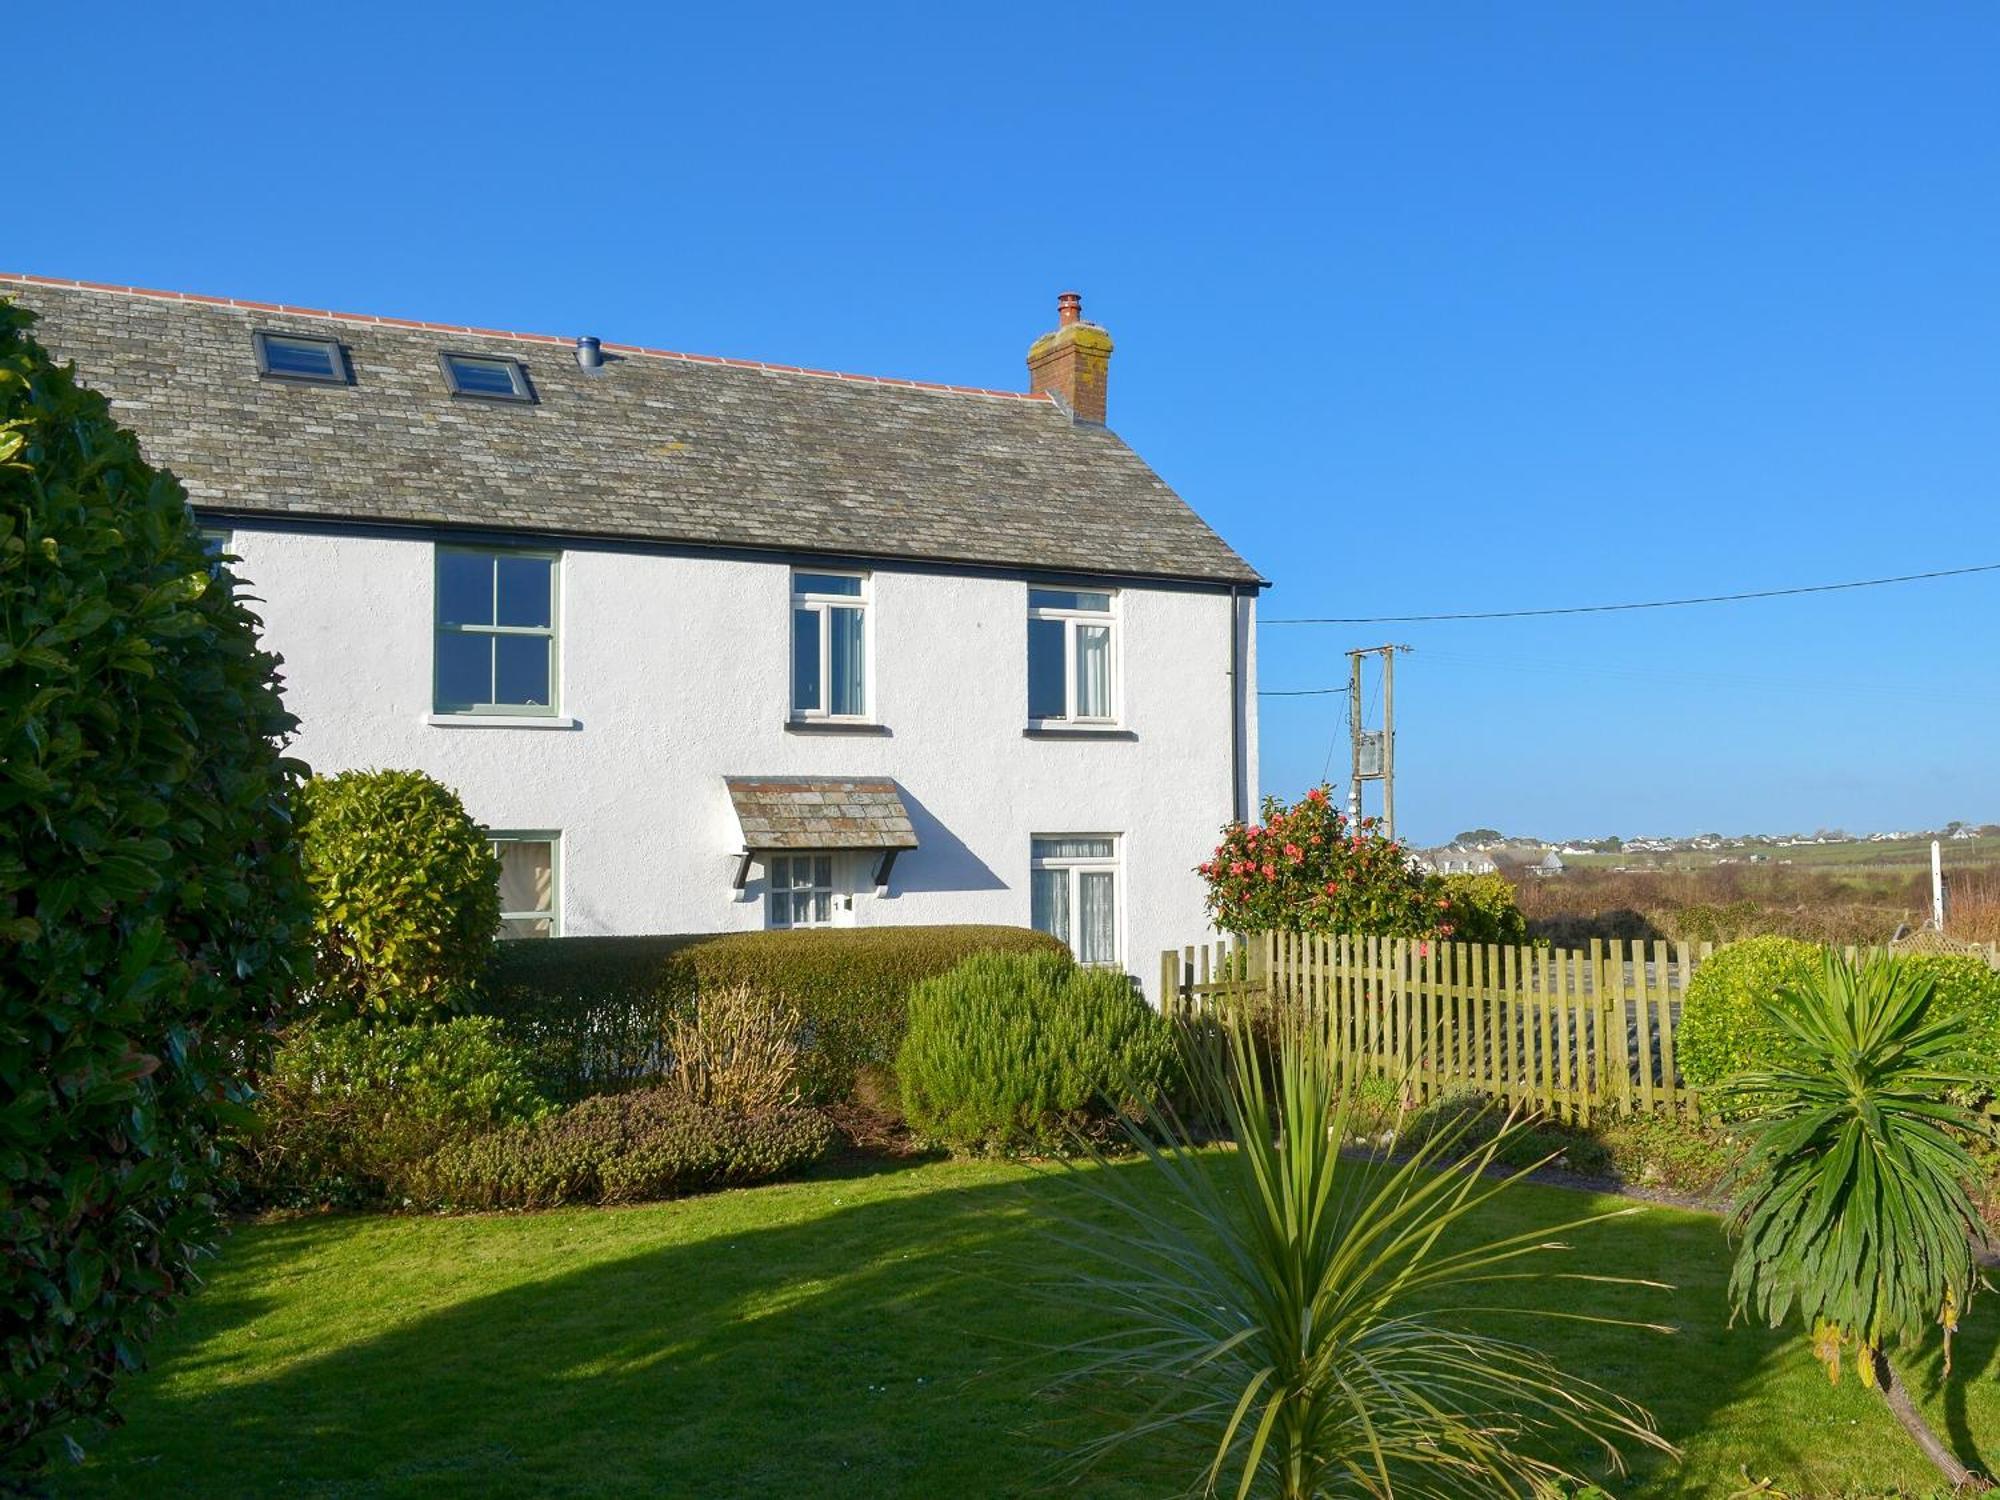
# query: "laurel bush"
152,917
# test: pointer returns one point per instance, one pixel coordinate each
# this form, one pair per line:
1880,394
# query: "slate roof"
817,812
658,447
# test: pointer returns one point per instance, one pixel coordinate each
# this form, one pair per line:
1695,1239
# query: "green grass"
857,1335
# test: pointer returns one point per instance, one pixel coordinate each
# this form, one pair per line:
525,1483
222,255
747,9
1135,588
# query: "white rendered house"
714,645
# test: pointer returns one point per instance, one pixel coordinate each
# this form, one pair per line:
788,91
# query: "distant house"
1458,862
1549,864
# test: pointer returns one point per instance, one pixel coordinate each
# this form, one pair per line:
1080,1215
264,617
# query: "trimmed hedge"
619,1148
591,1011
1023,1051
1721,1029
346,1109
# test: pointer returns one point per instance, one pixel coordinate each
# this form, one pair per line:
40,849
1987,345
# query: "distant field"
1890,855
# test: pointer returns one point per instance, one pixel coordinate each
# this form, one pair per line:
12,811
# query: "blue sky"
1440,307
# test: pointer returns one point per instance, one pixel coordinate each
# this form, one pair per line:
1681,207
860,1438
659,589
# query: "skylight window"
293,356
490,377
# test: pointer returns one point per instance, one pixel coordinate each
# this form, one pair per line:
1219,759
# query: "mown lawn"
863,1334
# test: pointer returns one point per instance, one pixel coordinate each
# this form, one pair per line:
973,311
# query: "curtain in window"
1048,902
1072,847
849,662
1093,671
1097,931
527,875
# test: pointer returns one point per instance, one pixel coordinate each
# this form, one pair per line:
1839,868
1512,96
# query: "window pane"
521,670
826,583
464,669
801,907
310,359
1066,847
527,927
465,588
822,902
1045,670
1048,902
1097,928
805,661
823,870
1093,671
483,377
1067,599
523,589
527,875
849,666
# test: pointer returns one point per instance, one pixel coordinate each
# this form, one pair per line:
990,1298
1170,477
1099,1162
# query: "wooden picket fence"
1573,1033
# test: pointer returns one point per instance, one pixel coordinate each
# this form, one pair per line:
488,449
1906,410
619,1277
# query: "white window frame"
1071,619
823,605
1076,866
553,838
772,889
552,633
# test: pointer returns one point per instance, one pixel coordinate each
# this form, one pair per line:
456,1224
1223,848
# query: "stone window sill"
1077,732
835,726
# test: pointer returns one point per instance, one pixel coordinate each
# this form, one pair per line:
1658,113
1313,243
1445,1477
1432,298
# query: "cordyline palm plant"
1289,1312
1852,1205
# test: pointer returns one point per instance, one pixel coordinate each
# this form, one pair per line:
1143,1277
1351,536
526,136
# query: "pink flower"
1270,872
1292,851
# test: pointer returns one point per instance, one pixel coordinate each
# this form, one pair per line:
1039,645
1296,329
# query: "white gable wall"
677,672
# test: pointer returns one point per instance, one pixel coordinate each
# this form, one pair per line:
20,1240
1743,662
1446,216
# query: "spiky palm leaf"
1292,1310
1852,1204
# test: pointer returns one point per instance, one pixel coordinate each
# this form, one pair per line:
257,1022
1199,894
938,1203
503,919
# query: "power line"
1597,609
1297,692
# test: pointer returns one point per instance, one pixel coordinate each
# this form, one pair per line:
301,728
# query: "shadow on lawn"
884,1348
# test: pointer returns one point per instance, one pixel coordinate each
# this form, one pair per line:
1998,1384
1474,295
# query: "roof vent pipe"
590,353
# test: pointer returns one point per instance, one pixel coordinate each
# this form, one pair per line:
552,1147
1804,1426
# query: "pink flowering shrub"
1305,869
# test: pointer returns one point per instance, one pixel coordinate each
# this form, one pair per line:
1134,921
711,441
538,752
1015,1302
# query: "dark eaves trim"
292,520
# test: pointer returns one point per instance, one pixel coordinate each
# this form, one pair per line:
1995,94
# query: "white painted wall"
676,671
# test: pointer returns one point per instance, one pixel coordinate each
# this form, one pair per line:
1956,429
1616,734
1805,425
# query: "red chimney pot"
1069,308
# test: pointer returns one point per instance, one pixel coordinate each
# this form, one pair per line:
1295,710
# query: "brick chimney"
1072,362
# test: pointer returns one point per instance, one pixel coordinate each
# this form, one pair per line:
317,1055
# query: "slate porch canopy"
780,813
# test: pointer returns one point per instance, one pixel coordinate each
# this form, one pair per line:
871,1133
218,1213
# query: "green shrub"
151,913
592,1011
1484,910
1013,1052
619,1148
346,1109
1722,1027
407,890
